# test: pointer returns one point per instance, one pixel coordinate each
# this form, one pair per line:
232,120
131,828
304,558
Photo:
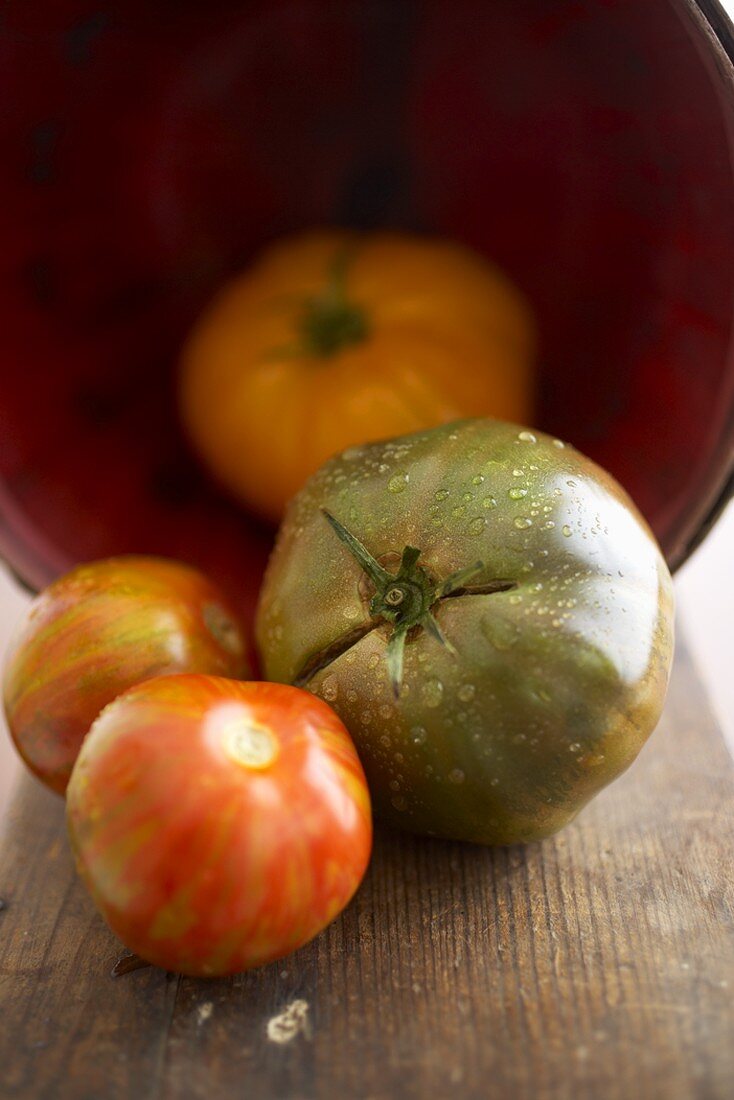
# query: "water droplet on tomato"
566,530
477,525
466,692
517,494
500,633
522,521
398,482
456,775
330,688
432,693
527,437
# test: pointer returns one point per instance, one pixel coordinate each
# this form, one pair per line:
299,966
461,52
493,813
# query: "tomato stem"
329,321
405,598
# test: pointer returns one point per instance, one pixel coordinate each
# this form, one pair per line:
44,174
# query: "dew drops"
517,472
489,502
459,511
419,735
477,525
467,497
566,531
527,437
330,688
394,785
517,493
441,494
522,521
548,525
594,759
456,775
574,747
432,693
466,692
398,482
399,803
385,740
351,696
500,633
478,479
559,443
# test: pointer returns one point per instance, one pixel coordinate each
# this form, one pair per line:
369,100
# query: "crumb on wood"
289,1023
127,963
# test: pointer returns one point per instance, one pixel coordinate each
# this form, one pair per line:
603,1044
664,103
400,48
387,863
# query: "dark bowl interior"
149,148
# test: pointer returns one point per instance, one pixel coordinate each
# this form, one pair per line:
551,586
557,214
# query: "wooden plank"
597,964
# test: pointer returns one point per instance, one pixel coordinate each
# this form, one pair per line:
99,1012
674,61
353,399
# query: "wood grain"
597,964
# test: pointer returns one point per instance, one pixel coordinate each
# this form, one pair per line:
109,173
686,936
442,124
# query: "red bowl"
150,147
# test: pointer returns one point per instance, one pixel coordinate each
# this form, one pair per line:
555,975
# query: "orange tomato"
334,339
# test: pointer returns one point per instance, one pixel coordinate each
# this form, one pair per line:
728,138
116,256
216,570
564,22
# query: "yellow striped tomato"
218,825
98,630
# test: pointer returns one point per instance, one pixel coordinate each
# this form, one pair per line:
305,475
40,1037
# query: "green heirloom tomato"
488,614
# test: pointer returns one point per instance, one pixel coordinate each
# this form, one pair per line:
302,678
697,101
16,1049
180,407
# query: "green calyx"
329,321
406,598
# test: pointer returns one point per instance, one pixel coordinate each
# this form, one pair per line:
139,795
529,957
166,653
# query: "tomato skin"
558,649
98,630
435,333
207,852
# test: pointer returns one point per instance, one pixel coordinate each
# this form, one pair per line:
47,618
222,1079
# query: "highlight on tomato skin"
218,825
98,630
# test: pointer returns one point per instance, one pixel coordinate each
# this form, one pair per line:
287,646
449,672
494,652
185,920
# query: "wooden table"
597,964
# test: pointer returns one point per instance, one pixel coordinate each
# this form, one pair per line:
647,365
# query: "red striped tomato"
218,825
98,630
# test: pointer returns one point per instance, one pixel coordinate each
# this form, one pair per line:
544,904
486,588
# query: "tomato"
218,825
98,630
332,339
489,615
